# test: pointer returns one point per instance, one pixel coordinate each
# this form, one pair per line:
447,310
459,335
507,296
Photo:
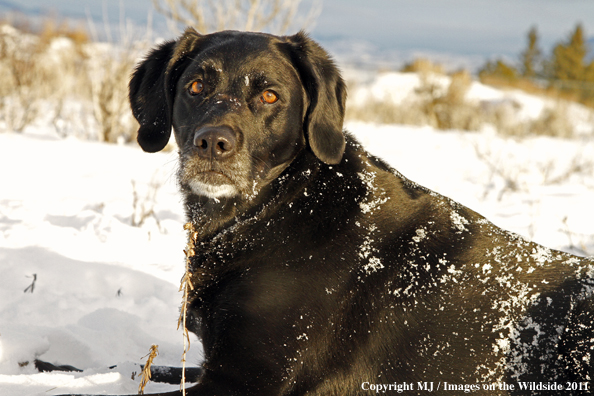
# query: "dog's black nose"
215,142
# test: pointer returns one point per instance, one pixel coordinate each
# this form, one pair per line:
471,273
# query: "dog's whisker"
264,167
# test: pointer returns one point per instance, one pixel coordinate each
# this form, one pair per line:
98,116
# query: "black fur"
319,270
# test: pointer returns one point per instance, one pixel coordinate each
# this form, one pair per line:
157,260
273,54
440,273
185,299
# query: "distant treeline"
568,71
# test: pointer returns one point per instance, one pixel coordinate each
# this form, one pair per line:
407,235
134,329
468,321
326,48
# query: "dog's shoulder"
399,212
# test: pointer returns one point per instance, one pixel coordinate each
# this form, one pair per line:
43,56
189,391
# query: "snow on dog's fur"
318,268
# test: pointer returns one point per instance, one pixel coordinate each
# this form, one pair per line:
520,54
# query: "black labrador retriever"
318,269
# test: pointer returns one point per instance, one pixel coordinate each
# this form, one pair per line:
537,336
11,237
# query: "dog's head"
242,107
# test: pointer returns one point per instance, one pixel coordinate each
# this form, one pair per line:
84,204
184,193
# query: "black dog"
319,270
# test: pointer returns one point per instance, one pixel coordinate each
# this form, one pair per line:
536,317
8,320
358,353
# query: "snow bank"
105,291
401,89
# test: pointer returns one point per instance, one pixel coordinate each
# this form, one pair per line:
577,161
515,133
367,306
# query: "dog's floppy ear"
327,95
152,89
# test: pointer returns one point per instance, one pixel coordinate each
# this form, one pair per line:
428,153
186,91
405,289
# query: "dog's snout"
215,142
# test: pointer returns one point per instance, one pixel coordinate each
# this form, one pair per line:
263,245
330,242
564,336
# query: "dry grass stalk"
185,287
145,377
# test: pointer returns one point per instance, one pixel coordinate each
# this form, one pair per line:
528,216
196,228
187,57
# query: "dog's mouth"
213,177
239,176
212,184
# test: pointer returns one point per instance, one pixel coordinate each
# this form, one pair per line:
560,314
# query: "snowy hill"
105,290
502,109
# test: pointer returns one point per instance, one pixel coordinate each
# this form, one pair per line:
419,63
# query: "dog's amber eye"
268,97
196,87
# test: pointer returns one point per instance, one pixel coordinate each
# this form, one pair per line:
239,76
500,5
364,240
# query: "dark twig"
31,287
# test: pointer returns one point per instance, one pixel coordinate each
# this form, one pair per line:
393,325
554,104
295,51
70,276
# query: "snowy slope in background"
399,88
106,291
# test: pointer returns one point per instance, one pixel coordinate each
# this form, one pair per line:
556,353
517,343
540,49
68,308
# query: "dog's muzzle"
213,144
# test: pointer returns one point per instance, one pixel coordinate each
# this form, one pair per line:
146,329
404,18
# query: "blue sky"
463,26
397,28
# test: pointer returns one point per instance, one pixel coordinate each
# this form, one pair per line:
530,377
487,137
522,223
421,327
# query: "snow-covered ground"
105,290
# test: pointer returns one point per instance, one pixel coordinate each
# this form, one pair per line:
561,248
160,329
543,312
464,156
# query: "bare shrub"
108,70
80,87
22,81
109,73
553,121
498,169
502,115
433,103
276,16
423,66
39,72
144,208
581,164
387,112
575,240
66,62
512,170
443,105
450,110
